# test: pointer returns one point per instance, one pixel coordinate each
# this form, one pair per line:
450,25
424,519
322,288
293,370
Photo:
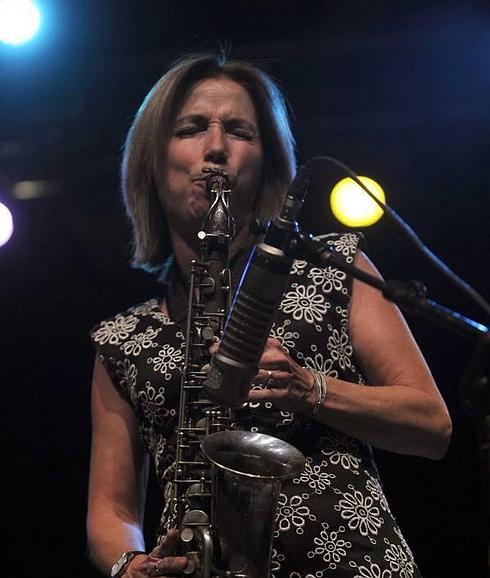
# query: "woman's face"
216,126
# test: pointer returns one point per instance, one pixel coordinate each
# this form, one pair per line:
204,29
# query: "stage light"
352,206
6,224
19,21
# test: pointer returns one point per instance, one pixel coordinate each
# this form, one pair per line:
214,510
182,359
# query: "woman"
333,519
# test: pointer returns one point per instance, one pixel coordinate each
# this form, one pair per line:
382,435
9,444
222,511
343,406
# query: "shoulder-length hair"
147,140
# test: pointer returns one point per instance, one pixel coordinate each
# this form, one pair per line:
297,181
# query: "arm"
402,411
117,488
118,476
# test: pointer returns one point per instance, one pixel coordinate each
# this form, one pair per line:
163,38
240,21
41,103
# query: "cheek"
252,163
249,183
180,155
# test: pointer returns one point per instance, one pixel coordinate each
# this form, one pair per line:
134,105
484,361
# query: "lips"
203,178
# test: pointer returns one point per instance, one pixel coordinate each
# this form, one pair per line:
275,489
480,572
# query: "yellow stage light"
353,206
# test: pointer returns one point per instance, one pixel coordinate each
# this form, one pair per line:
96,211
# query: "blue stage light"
19,21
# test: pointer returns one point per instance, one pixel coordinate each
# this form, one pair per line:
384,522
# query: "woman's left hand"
288,386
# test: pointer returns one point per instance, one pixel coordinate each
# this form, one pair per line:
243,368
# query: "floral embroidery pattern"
329,279
398,560
127,373
331,518
141,341
371,571
316,478
341,449
361,513
166,360
340,348
287,338
114,331
291,514
304,303
330,546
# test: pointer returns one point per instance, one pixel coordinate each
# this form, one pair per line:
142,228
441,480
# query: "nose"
216,147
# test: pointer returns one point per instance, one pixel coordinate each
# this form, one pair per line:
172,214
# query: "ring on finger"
155,571
270,379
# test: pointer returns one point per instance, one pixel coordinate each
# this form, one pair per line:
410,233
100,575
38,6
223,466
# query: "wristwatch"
122,564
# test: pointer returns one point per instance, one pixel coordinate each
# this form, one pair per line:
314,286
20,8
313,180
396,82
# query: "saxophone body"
226,481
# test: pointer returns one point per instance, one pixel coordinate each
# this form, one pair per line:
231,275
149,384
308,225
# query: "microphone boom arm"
409,296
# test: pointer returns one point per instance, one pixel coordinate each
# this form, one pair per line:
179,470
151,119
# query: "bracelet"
321,389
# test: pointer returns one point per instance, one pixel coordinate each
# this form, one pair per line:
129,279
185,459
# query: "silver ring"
155,571
270,379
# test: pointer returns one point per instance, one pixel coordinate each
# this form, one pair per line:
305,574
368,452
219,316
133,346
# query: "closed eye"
242,133
241,129
188,131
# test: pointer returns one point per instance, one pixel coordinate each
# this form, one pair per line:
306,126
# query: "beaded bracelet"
321,388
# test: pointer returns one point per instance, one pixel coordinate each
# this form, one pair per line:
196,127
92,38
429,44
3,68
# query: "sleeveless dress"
333,520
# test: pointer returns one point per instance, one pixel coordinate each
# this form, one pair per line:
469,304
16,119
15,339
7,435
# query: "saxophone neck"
218,221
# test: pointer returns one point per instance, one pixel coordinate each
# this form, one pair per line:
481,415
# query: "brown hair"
148,137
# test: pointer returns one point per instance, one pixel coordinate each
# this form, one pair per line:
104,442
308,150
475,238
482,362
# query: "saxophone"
226,481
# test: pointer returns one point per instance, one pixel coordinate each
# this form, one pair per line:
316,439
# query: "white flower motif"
398,532
374,571
126,372
373,486
340,449
343,314
399,561
361,513
321,363
313,475
340,348
292,514
160,316
286,338
152,404
275,562
141,341
114,331
330,546
298,267
346,245
329,278
167,359
304,303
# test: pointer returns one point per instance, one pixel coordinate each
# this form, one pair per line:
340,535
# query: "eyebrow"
201,119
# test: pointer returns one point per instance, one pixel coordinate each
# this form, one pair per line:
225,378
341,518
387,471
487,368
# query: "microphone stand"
474,388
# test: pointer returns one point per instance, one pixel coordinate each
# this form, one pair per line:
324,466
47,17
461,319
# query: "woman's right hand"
161,561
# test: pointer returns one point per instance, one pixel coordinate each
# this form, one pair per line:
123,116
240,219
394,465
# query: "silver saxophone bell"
248,471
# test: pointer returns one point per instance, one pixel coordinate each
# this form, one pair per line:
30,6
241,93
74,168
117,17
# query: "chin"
198,208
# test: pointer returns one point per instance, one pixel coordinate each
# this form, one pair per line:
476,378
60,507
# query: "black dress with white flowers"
333,520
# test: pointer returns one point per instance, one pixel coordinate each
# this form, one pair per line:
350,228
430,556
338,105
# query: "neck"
185,251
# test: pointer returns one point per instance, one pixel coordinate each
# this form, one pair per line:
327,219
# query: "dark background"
397,90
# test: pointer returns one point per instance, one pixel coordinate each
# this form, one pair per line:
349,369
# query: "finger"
274,355
273,378
168,545
214,347
255,395
272,342
274,359
170,565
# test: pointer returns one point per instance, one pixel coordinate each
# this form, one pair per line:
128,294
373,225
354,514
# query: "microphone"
256,300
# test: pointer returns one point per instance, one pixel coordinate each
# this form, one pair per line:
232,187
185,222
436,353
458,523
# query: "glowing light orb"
19,21
352,206
6,224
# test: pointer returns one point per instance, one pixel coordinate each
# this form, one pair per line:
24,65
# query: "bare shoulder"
381,336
